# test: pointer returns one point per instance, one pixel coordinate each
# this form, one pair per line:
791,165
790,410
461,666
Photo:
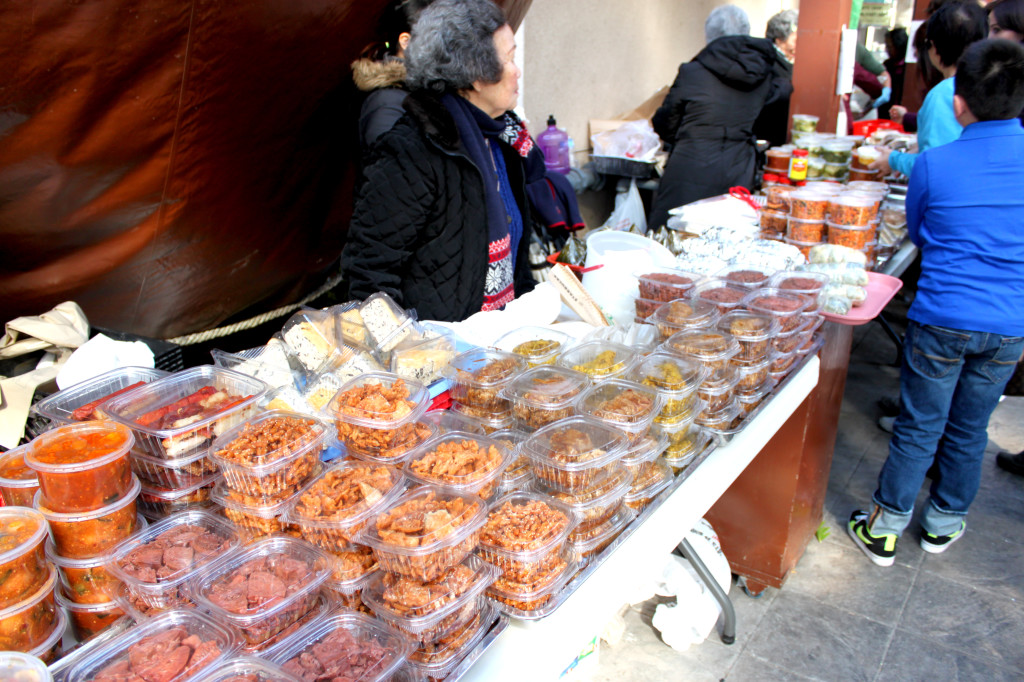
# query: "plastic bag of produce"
856,295
841,273
834,253
838,305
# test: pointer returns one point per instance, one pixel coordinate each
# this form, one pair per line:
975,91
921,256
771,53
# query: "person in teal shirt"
950,30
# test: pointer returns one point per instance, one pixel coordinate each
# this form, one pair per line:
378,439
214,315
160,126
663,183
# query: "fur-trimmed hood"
370,75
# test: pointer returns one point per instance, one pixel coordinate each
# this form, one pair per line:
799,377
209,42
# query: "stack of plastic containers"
599,360
87,493
544,395
714,350
175,421
808,212
431,588
30,621
661,285
478,378
677,316
676,379
518,475
462,462
537,345
85,401
264,462
753,331
333,509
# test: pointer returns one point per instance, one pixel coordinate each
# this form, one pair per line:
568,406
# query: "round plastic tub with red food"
84,581
88,620
807,204
853,236
82,535
783,306
666,284
82,467
27,623
805,230
18,482
23,565
728,296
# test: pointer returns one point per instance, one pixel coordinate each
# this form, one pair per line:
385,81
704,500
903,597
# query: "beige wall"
586,59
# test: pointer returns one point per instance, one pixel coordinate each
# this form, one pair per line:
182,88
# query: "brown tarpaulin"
169,163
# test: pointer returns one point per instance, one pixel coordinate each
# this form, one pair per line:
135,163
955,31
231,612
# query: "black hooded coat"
708,118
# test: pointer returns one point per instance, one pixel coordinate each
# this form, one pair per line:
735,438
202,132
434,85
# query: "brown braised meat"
259,584
161,658
339,656
173,553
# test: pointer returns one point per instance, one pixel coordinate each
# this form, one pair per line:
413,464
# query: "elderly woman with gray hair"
442,222
773,123
708,115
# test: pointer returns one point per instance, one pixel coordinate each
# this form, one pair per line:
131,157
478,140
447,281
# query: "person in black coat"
708,117
442,222
773,122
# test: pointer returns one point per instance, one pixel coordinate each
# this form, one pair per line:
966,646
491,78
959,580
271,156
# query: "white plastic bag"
631,140
628,215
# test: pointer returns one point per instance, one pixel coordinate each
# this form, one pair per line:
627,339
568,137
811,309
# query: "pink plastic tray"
881,288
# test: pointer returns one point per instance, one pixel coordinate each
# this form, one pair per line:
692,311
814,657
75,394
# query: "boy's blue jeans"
950,383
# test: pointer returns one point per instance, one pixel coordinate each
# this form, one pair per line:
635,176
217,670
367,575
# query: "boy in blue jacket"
965,211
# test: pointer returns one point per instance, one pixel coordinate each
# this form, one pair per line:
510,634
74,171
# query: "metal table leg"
686,551
892,335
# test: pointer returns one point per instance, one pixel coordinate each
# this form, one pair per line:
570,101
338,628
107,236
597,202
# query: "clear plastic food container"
782,362
157,563
538,598
387,323
349,593
679,431
805,123
264,587
51,648
543,395
666,284
343,645
323,607
26,624
84,401
626,405
162,647
311,337
646,450
654,477
716,392
18,482
749,400
423,355
713,349
645,307
726,295
677,316
60,668
247,669
783,306
252,521
270,455
744,275
88,620
22,554
425,532
437,659
519,469
599,360
447,420
575,453
270,363
808,204
20,667
805,231
837,151
850,209
681,457
596,504
336,505
719,420
478,376
537,345
173,473
524,532
752,331
807,284
852,236
463,462
426,611
785,342
751,374
777,197
487,422
376,414
676,379
588,544
81,535
156,502
773,222
181,414
82,466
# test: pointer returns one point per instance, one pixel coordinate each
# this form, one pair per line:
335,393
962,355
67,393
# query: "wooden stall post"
817,60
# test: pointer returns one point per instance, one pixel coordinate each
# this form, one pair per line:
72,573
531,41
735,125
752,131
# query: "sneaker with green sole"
881,549
937,544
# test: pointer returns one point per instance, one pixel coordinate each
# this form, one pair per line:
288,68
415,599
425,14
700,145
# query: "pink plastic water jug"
554,143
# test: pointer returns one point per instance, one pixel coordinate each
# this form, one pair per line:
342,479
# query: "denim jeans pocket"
935,351
1000,367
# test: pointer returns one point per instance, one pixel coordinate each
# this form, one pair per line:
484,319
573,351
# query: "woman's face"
788,46
496,98
997,31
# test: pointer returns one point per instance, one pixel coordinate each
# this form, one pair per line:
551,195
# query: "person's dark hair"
990,78
953,27
398,18
781,25
1009,14
897,37
452,46
934,5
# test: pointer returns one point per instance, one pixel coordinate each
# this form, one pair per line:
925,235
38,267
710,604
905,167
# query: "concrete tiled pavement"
954,616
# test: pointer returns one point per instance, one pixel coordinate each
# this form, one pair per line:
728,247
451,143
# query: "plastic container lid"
599,360
69,435
464,462
646,449
679,315
18,667
625,404
809,283
744,275
869,186
60,406
415,403
366,635
518,541
748,326
484,368
673,376
14,473
575,444
721,292
538,345
777,303
447,420
12,520
117,650
704,345
246,668
547,387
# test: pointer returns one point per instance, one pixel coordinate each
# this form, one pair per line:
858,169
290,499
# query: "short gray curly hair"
452,46
782,25
727,20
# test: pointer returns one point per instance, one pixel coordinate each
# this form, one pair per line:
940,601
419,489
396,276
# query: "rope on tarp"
252,322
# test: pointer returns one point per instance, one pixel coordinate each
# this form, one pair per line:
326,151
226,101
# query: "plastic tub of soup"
27,623
425,532
88,620
263,588
84,581
22,554
85,400
82,467
537,345
600,360
464,462
625,405
18,482
666,284
781,305
543,395
677,316
181,414
82,535
375,414
575,453
270,455
752,331
478,376
21,667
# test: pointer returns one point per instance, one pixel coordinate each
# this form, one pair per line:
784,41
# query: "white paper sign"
911,56
847,60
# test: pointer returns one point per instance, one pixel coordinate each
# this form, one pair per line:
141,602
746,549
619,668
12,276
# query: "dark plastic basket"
615,165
